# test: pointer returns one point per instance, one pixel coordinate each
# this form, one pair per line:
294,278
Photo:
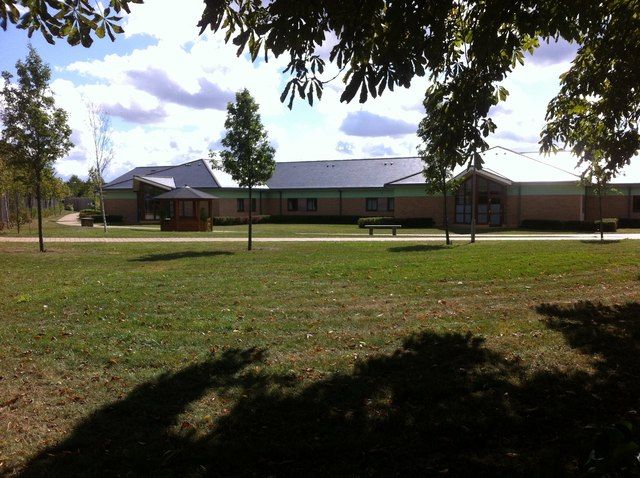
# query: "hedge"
90,213
111,218
314,219
415,222
236,221
628,223
610,225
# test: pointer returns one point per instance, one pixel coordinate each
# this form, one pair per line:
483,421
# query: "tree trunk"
600,213
18,212
446,215
250,218
104,214
39,206
473,205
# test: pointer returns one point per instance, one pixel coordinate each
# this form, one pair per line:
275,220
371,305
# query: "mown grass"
53,229
368,358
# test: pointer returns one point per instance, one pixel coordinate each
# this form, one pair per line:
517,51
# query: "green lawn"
53,229
297,359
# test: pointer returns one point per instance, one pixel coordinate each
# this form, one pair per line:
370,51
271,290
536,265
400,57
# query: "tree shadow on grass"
599,242
440,404
170,256
419,248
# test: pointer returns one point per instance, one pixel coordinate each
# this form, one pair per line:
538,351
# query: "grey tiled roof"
351,173
195,174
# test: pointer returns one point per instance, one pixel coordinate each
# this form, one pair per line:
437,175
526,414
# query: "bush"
314,219
628,223
375,221
90,213
68,207
610,225
415,222
236,221
111,218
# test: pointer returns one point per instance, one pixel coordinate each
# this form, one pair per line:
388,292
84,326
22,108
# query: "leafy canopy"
465,47
247,155
74,20
35,133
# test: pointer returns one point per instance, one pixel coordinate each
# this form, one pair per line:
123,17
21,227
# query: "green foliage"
89,212
466,49
610,225
315,219
35,133
247,155
375,221
111,218
628,223
236,221
78,187
74,20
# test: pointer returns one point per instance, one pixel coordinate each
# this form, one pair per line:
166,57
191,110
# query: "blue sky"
166,88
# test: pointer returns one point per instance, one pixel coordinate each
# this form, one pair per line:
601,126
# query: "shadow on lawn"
419,248
179,255
441,403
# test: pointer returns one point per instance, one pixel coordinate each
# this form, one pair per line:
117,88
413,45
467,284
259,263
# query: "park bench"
393,227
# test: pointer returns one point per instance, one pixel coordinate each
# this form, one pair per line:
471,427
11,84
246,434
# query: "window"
489,202
312,204
636,203
186,209
372,204
391,204
240,205
292,204
254,204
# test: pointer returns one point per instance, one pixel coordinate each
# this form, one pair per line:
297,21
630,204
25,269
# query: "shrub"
111,218
610,225
375,221
236,221
628,223
68,207
314,219
90,213
542,224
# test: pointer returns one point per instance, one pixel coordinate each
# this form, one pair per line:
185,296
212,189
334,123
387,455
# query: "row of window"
293,204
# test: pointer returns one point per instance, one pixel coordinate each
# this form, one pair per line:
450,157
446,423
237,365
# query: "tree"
465,47
247,155
77,187
35,132
74,20
438,161
99,123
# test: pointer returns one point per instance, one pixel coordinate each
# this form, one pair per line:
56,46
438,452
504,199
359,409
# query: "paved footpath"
389,238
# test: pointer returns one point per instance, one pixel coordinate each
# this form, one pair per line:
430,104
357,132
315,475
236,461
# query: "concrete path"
72,219
407,238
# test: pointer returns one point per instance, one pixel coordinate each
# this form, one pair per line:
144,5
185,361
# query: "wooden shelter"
185,209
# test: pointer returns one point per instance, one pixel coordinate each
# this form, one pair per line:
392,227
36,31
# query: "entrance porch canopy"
184,209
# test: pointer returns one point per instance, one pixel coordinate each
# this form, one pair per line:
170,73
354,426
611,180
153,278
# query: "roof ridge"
345,160
210,170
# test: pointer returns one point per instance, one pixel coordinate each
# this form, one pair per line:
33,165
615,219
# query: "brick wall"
127,208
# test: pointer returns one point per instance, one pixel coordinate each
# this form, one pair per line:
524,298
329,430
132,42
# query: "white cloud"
167,129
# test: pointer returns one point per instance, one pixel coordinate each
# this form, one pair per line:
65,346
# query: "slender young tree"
35,131
247,155
99,123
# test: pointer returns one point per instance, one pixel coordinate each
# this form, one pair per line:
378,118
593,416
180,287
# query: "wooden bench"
393,227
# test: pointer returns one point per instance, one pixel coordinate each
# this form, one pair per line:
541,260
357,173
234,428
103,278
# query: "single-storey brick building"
511,188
